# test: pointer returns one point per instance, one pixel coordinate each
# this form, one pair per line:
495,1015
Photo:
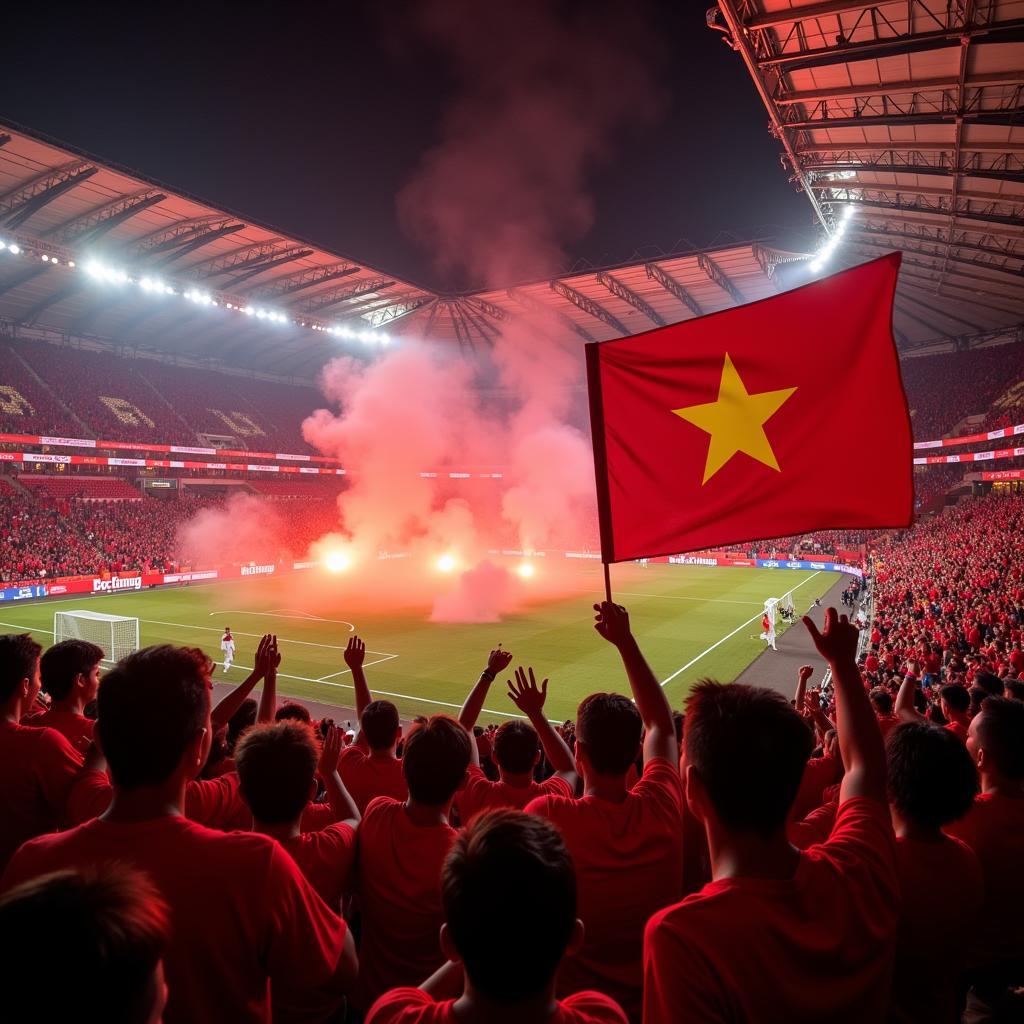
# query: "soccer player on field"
227,645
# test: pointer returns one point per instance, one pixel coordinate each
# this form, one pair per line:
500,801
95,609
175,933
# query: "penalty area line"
729,636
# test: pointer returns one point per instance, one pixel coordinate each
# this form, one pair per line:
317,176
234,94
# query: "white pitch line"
278,615
212,629
345,671
729,636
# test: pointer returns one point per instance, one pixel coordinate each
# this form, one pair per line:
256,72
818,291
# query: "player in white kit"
227,645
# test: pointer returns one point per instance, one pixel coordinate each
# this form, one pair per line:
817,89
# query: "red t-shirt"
958,729
399,888
327,858
413,1006
994,830
37,770
934,929
76,729
216,803
629,863
818,773
480,794
241,912
367,776
802,950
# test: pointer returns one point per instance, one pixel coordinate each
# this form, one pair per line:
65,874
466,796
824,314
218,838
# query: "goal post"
118,635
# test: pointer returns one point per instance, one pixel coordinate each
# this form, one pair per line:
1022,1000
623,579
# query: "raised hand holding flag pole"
732,427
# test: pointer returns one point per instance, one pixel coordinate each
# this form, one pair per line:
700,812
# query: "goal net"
118,635
780,610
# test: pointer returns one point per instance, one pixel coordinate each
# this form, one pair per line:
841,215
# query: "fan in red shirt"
401,849
37,765
506,973
626,844
994,830
70,674
370,767
780,935
517,748
106,926
241,912
932,782
277,766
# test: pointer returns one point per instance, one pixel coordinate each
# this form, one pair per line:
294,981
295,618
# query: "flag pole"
607,582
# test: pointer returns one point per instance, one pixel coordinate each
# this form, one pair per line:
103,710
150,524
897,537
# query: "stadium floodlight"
45,258
15,248
337,561
525,570
815,266
446,563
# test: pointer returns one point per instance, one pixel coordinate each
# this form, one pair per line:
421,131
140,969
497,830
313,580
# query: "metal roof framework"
912,111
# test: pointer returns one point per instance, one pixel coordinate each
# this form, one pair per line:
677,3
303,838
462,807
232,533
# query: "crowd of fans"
851,856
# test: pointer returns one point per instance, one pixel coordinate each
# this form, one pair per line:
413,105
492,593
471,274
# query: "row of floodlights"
154,286
824,254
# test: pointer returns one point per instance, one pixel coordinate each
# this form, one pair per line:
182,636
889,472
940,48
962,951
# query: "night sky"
310,118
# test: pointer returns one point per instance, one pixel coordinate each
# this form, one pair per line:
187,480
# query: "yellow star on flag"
736,421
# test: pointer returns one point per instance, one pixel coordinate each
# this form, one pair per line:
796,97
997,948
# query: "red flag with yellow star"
779,417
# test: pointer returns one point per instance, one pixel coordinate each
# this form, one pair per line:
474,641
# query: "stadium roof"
63,208
912,112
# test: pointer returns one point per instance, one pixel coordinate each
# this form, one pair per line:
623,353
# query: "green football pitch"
692,622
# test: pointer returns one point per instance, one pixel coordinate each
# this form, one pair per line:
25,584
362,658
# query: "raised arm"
904,708
221,714
355,654
268,698
612,622
342,804
805,673
860,740
497,661
526,696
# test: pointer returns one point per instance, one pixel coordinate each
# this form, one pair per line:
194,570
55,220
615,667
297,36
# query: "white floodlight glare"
15,248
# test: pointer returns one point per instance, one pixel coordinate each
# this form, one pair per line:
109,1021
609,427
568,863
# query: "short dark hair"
750,747
291,711
435,760
18,656
1000,732
103,928
609,727
881,700
151,705
511,851
1014,688
932,779
64,662
241,720
515,747
956,696
990,683
380,724
978,697
276,765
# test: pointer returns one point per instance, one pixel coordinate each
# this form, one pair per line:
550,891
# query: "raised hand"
498,660
330,751
525,694
612,622
837,643
355,652
267,656
806,671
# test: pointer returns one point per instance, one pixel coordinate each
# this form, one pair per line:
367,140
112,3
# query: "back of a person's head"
380,724
956,697
608,726
999,731
290,711
64,662
435,760
881,700
750,747
1014,689
88,943
516,956
18,656
151,705
978,697
276,765
990,683
515,747
932,779
241,720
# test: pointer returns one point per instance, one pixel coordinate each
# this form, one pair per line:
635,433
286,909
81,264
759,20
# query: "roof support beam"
89,227
205,236
176,234
958,260
336,296
20,212
925,239
859,184
912,147
940,332
981,218
588,305
819,170
933,219
620,291
31,315
915,86
540,310
398,311
1008,118
947,294
288,256
720,278
673,287
289,284
944,313
471,314
789,15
